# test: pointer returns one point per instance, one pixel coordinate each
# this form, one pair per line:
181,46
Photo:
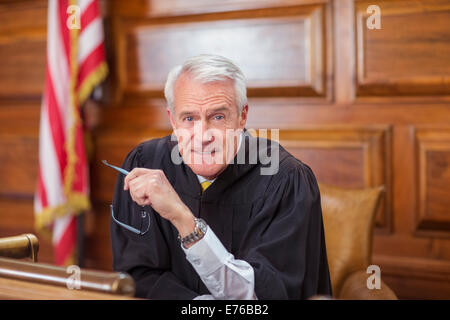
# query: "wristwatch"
198,233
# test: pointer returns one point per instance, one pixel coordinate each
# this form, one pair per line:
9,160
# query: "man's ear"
172,122
243,116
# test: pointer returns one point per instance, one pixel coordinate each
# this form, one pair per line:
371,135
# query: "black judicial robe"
273,222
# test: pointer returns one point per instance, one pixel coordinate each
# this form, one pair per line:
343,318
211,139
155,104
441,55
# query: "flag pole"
80,239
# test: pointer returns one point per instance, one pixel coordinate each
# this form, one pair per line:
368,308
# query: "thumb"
125,184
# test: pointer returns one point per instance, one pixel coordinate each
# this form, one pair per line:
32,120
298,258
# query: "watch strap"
198,233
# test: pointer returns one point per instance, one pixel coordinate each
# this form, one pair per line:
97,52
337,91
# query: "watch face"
200,229
202,225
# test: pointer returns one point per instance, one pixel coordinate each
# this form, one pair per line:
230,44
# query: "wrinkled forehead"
191,92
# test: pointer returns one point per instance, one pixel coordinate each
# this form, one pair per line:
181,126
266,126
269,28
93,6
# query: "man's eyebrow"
185,114
218,109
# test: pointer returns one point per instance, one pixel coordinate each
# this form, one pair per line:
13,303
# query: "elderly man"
202,218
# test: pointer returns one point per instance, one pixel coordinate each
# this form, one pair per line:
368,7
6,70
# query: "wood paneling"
22,78
409,54
336,164
19,160
406,276
19,117
291,59
25,70
18,16
361,107
168,8
290,63
98,241
22,49
347,157
16,216
19,129
433,158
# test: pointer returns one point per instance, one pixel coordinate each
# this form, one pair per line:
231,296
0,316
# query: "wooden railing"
19,247
29,280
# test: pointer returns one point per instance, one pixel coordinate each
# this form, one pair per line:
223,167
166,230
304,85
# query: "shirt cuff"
204,297
207,254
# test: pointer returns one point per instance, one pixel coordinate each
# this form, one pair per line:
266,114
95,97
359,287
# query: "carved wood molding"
432,217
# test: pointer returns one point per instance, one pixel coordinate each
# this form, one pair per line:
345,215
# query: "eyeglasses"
144,214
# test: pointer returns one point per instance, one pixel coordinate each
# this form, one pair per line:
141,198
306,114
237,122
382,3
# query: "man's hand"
151,187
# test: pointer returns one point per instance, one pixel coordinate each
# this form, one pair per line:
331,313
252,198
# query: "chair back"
349,216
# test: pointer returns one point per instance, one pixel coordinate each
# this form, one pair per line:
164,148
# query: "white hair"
208,68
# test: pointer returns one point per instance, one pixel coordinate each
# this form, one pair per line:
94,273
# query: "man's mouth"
203,153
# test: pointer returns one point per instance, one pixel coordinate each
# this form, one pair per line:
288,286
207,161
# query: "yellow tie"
205,185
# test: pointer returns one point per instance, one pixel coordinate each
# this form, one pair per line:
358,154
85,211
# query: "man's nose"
207,136
203,134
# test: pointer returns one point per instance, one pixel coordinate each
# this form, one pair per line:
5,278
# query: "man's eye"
219,117
189,118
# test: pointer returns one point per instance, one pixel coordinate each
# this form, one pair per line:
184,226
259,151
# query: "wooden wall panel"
98,241
433,158
289,63
292,59
168,8
361,107
22,77
23,71
347,157
409,54
19,161
405,275
17,16
19,130
16,216
22,48
344,166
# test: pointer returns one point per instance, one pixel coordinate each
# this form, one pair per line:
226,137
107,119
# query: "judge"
212,212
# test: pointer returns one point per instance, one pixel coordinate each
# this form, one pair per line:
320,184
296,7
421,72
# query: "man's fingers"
135,173
139,196
142,182
140,189
130,176
145,202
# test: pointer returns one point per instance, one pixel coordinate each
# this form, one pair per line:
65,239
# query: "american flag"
76,63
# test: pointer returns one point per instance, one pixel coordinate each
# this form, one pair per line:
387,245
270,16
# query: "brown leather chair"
349,217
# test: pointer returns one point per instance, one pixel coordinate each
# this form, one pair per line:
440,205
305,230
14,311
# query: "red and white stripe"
57,199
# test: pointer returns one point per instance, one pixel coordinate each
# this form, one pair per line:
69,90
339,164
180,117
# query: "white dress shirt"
223,275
